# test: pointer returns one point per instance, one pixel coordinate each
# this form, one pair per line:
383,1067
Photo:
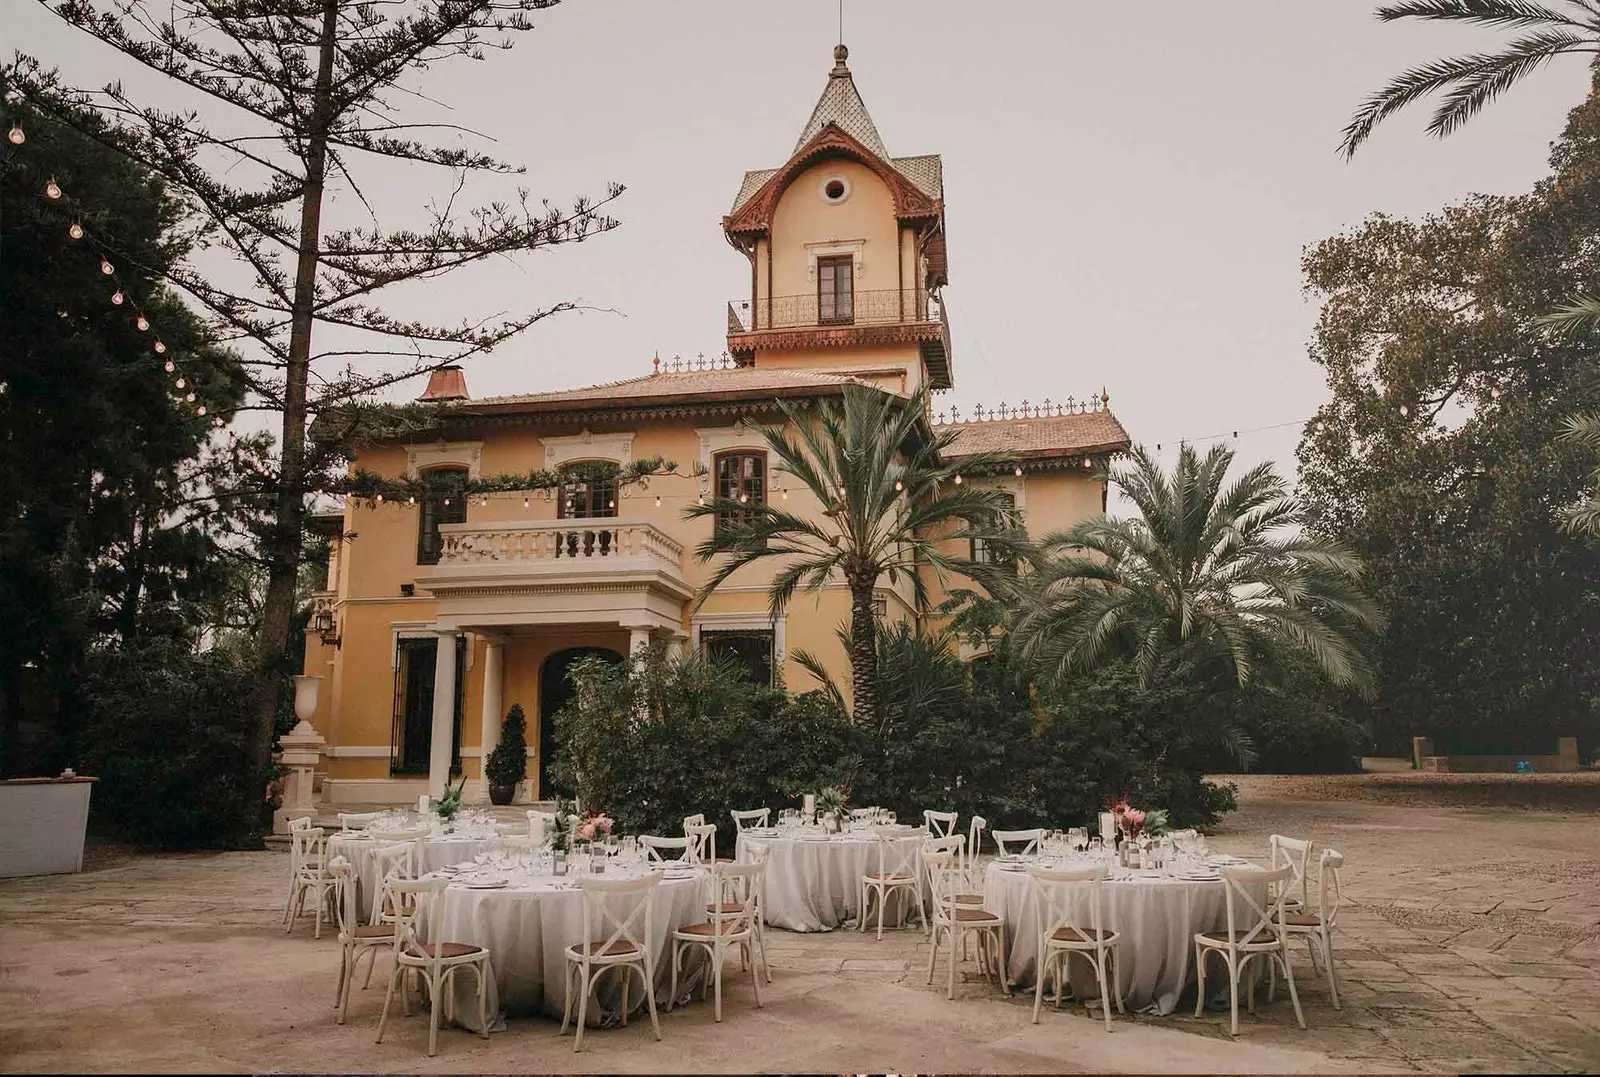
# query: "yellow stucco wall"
867,216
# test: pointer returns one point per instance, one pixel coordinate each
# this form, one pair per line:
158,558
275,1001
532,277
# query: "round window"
834,189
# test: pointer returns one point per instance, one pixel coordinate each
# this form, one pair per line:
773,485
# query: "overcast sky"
1127,197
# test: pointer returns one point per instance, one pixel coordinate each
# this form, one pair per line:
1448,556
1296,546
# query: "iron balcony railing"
890,306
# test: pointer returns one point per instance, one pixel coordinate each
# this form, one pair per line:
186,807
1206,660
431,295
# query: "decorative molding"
715,439
357,751
852,247
425,455
755,216
587,446
834,336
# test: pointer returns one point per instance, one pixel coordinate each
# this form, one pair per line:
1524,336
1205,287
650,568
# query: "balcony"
878,318
512,572
889,307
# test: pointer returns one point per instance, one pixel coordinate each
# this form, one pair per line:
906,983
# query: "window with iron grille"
446,505
985,552
750,648
836,290
741,477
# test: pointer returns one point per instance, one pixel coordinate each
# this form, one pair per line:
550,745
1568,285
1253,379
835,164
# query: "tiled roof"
668,386
1061,435
840,103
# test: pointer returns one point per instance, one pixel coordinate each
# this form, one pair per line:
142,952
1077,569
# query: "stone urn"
502,794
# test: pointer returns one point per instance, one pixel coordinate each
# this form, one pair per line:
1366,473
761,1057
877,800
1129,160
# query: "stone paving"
1472,944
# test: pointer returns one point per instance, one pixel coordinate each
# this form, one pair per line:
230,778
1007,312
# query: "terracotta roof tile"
667,386
1061,435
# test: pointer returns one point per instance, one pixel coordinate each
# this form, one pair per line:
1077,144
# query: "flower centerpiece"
1137,825
832,805
595,828
563,832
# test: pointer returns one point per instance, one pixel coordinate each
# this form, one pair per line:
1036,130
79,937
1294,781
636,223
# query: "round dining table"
437,852
527,925
813,880
1157,915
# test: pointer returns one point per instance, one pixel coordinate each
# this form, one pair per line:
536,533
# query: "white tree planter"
42,821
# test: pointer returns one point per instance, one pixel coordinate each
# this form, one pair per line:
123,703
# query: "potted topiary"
508,763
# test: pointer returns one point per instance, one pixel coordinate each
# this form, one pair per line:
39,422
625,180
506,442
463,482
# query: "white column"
493,699
638,639
675,644
444,713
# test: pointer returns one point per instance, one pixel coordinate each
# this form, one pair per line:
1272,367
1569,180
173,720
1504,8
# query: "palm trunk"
283,542
863,655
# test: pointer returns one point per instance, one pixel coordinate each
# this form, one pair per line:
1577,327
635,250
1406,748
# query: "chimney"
446,383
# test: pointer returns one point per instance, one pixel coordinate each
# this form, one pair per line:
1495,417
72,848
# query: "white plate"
672,876
1013,867
486,884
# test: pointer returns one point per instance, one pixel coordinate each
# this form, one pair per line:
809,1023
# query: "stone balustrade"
559,544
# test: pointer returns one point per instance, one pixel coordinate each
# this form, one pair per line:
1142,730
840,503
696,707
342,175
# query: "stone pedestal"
302,752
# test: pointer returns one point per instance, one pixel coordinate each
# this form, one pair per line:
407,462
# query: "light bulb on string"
107,268
786,493
1404,411
379,498
216,422
117,298
958,480
75,230
1088,464
447,501
524,502
189,396
168,366
16,137
898,485
52,190
411,501
178,384
161,349
142,322
1017,471
658,501
201,410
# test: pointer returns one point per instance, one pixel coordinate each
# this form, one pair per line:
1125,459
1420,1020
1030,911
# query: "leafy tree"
121,502
1209,574
313,86
1547,30
1582,318
888,497
1439,458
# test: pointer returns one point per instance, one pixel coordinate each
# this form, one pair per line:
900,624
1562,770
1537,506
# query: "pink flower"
586,830
1134,818
605,823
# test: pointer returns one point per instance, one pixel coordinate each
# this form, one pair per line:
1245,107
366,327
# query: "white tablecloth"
436,853
1156,915
815,884
527,928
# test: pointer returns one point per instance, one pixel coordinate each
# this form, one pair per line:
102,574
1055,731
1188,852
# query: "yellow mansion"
440,615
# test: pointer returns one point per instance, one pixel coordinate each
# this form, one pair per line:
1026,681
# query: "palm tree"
1469,82
1581,317
888,497
1213,574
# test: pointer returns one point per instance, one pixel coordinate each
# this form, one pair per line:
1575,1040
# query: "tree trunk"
283,541
863,655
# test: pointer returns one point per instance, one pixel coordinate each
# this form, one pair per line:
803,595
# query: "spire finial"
840,55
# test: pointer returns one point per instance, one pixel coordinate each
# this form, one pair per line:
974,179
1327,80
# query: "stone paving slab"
179,963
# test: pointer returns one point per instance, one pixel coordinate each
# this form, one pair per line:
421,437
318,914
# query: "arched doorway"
555,689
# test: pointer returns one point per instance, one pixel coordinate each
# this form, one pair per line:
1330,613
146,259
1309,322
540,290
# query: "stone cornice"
834,336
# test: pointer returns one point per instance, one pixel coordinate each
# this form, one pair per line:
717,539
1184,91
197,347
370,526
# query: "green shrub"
508,763
168,734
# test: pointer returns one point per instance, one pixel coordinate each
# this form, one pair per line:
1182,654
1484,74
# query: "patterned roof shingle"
1060,435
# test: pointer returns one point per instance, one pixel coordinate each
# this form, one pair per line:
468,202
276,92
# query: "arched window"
445,505
587,495
742,477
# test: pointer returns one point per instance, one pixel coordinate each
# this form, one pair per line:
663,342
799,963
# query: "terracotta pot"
502,794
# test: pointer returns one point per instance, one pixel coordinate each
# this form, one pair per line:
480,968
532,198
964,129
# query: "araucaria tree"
1210,574
888,498
313,89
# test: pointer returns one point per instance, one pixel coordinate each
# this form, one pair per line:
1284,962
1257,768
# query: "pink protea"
586,830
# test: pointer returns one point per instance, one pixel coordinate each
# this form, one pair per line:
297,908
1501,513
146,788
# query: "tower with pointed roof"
847,253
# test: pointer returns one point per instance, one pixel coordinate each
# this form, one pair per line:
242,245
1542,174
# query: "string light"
16,137
786,493
201,410
117,298
168,367
958,480
142,322
106,267
411,501
189,397
658,501
1088,464
525,501
898,485
447,501
75,230
1404,411
52,190
217,422
380,497
1017,471
161,349
179,383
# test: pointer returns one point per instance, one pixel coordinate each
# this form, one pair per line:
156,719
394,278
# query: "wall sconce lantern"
323,624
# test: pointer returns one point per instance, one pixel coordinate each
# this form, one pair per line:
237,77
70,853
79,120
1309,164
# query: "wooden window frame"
432,513
979,551
596,501
755,486
828,312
